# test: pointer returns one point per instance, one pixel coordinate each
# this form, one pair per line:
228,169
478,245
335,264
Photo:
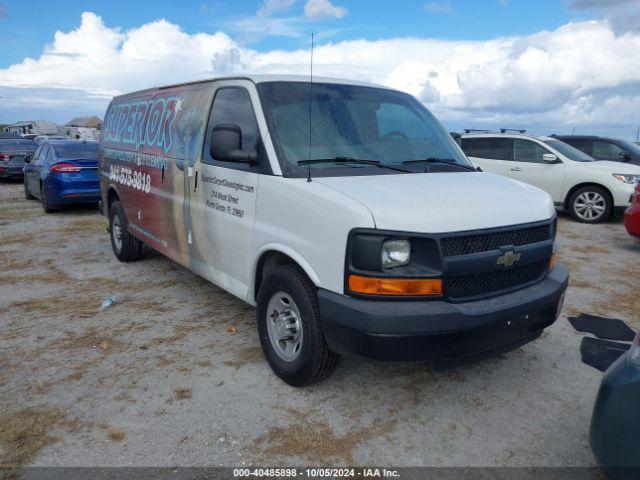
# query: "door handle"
517,169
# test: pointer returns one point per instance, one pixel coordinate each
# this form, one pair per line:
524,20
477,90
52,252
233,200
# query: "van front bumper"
439,331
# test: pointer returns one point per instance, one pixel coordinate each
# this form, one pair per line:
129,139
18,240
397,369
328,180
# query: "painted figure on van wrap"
187,129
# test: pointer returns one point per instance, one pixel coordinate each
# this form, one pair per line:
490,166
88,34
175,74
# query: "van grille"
484,242
482,284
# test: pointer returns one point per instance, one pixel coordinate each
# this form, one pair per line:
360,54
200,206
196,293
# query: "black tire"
46,206
590,204
315,362
27,194
130,249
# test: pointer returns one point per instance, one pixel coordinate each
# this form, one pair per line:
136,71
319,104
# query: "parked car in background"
9,135
589,190
62,173
632,215
41,138
615,424
604,148
13,153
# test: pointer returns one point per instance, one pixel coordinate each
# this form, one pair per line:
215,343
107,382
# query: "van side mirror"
226,145
549,158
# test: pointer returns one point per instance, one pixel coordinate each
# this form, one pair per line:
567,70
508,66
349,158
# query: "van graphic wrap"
149,142
188,128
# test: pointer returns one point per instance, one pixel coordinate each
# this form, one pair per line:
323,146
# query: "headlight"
627,178
395,253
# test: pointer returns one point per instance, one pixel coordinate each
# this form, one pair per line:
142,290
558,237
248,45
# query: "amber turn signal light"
396,286
552,262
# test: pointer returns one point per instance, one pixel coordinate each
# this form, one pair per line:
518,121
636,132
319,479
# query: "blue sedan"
615,425
62,173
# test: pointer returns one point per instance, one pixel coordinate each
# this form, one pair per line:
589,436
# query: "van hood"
444,202
613,167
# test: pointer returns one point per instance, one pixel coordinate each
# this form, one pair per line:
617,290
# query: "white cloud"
323,9
439,7
269,7
579,74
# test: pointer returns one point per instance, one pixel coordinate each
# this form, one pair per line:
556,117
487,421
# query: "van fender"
285,250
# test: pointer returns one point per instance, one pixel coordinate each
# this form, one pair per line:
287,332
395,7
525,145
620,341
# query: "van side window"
528,151
232,106
491,148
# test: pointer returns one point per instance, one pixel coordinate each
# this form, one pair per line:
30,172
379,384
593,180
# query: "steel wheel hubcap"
284,326
116,233
590,205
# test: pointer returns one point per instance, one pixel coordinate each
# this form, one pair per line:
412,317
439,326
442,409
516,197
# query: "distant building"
86,122
38,127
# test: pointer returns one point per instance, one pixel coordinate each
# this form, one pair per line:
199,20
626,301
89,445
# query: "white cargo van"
343,210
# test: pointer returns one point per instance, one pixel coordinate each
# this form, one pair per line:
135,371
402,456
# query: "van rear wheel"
125,246
290,329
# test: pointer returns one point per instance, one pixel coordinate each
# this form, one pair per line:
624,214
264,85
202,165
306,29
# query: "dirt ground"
173,375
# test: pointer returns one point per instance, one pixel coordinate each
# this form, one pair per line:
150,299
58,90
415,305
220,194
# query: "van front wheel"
290,328
125,246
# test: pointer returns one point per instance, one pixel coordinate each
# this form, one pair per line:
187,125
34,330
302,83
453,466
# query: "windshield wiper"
374,163
440,160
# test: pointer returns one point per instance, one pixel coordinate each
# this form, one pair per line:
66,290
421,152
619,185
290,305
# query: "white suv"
588,189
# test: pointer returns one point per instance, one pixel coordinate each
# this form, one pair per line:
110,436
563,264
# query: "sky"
549,66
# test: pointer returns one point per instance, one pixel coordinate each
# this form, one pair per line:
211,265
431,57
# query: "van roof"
262,79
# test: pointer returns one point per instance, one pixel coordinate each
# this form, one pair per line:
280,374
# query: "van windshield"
352,122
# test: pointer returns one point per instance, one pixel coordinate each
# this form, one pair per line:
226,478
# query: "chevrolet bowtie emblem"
509,259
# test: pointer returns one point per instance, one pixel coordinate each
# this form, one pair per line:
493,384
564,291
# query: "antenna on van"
310,108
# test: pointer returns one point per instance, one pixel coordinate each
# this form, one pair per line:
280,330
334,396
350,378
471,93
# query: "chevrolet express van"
342,210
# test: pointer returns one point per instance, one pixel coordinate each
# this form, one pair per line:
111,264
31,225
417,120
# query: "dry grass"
182,393
19,214
115,435
81,306
24,433
246,356
90,338
316,440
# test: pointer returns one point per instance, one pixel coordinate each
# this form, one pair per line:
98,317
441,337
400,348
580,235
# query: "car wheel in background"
125,246
27,194
290,328
46,206
590,204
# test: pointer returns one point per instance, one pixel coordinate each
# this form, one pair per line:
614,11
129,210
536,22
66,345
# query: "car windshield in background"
568,151
17,145
77,149
630,147
352,122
